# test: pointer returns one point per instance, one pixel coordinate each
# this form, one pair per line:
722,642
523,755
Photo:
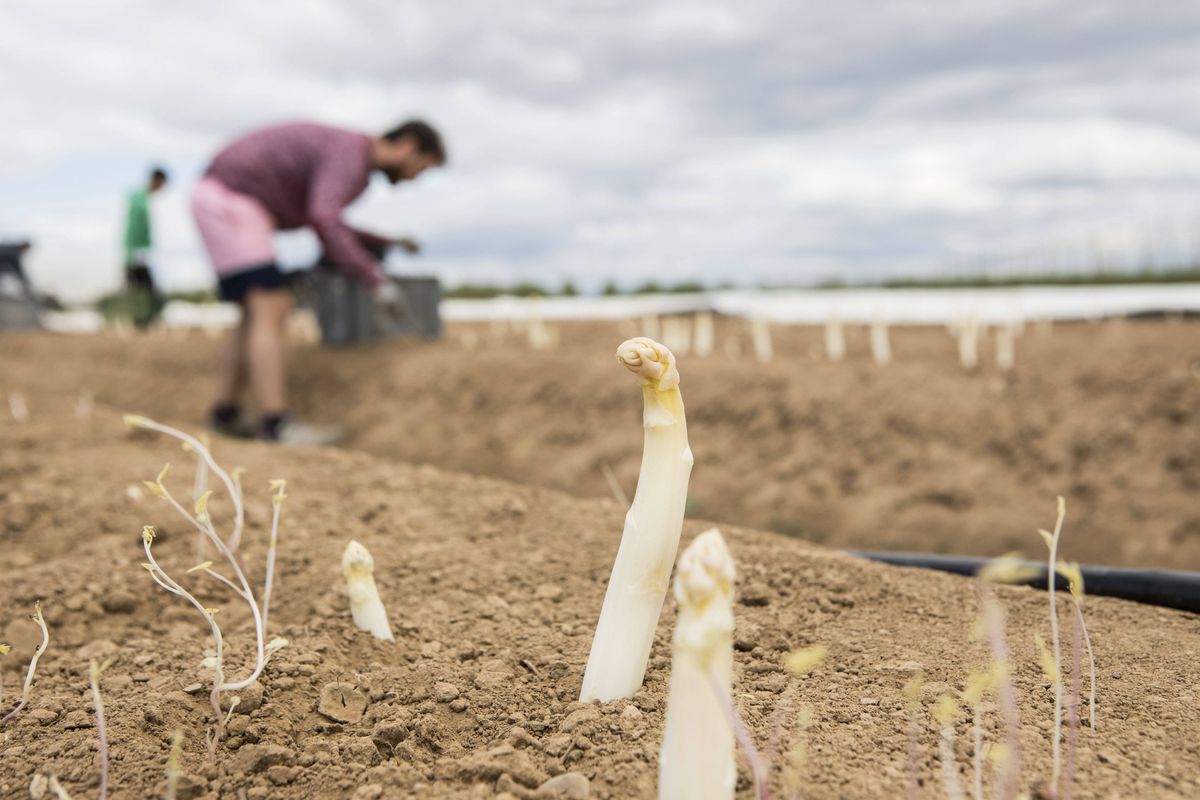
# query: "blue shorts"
232,288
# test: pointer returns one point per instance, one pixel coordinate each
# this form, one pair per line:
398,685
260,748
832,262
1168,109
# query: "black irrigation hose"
1156,587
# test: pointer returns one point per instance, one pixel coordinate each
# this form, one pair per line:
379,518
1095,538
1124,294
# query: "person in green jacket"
145,302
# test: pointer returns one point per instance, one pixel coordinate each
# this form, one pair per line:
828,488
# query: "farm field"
918,455
493,590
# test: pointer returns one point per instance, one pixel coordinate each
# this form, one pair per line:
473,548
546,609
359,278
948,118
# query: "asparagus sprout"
1005,756
1005,347
704,337
1051,540
968,344
174,765
4,650
912,695
27,688
835,340
881,344
697,757
57,788
365,606
85,406
18,407
642,570
760,334
231,483
972,695
944,712
614,485
1074,576
202,521
94,672
677,334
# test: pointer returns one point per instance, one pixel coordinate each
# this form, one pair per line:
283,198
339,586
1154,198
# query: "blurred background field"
919,454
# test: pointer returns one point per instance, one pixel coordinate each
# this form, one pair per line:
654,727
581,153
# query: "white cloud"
761,140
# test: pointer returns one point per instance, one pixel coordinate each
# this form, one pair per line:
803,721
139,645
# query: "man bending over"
280,178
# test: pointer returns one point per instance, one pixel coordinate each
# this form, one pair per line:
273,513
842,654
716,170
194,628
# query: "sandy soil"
493,590
919,455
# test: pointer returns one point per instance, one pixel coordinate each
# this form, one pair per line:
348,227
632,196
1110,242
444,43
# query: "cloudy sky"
762,141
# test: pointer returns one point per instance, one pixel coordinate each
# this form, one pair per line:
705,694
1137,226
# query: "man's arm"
372,241
334,186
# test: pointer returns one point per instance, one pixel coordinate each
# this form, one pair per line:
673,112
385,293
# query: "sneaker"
302,434
239,425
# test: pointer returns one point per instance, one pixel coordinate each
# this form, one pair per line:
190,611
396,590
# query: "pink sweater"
305,174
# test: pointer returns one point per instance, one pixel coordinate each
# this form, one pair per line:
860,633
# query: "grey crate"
18,308
346,312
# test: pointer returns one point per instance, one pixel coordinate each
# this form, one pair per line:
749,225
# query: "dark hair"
159,174
428,140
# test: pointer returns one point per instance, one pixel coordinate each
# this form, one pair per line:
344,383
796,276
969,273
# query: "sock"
226,413
272,424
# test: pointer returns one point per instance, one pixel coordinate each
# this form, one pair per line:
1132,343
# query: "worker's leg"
267,310
231,367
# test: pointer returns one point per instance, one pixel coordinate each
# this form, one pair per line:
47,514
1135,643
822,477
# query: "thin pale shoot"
1052,540
1074,576
945,711
95,670
27,687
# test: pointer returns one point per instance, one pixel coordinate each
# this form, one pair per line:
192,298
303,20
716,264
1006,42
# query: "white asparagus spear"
367,609
642,570
696,761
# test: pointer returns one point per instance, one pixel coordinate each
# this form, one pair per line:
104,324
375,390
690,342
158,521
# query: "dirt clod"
568,786
260,757
341,702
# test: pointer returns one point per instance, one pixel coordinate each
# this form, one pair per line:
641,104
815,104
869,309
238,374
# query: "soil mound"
493,590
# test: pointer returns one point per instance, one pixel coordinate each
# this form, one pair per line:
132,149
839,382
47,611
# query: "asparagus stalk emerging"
697,757
27,688
642,570
365,605
1051,540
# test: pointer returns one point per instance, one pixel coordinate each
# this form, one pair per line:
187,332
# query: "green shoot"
27,688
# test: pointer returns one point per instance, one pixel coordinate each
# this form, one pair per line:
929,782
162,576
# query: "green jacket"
137,224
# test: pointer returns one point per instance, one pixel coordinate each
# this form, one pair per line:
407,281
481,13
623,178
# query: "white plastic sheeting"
853,306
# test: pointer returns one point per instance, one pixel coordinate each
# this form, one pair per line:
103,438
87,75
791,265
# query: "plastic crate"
346,312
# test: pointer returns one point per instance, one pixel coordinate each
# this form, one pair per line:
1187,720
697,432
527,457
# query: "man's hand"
391,305
410,246
388,294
